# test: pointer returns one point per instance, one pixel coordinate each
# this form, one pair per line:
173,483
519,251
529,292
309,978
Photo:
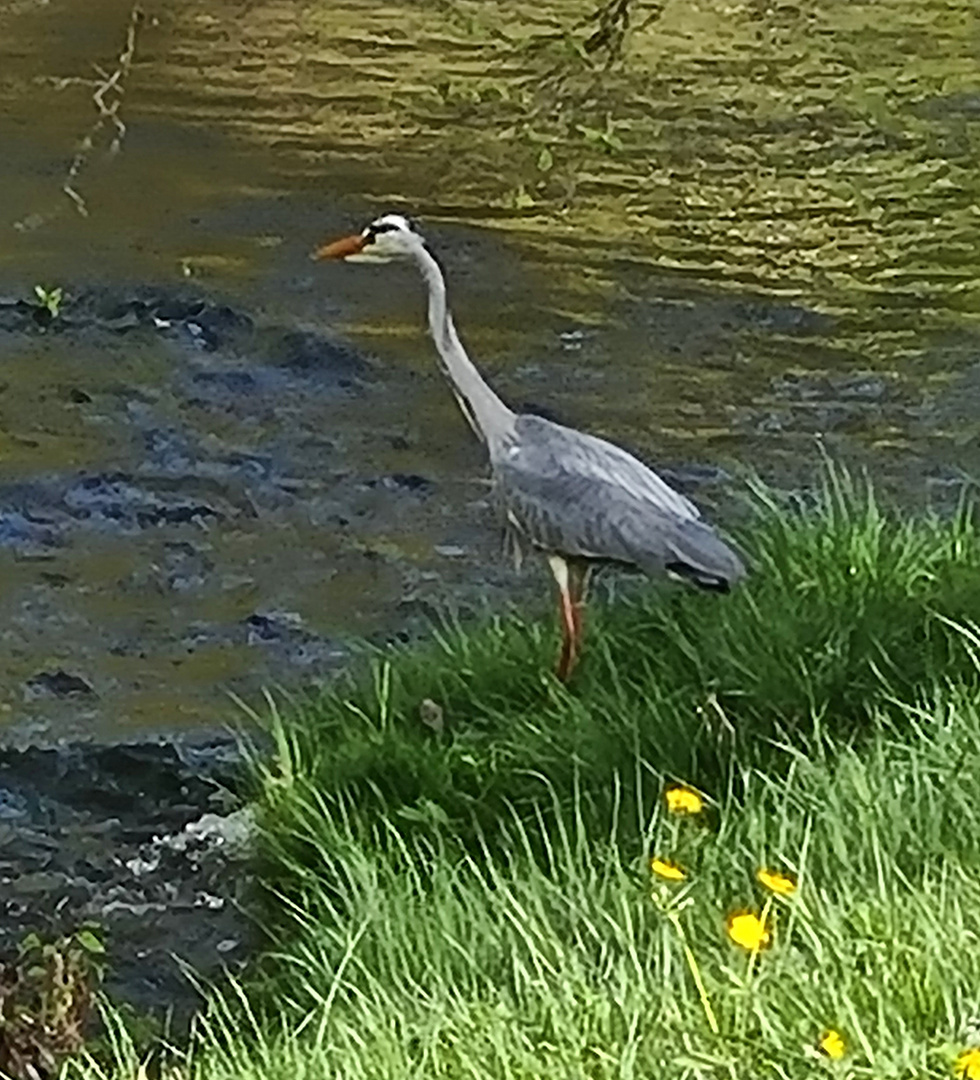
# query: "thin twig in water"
107,94
111,83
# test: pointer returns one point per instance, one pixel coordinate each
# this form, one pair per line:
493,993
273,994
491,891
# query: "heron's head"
387,239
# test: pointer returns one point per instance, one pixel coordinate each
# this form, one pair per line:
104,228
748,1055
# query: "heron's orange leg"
568,656
571,577
578,583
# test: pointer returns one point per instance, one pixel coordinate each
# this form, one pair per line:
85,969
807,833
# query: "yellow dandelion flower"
746,929
775,882
667,869
832,1044
968,1064
683,800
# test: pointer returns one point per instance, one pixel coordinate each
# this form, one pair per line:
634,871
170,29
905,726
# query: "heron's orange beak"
340,249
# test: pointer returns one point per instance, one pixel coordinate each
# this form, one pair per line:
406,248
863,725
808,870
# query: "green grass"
477,902
847,608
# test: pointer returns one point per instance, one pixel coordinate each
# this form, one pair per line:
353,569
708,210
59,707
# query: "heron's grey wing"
591,456
567,494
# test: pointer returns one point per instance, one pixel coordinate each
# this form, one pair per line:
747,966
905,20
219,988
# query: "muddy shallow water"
219,463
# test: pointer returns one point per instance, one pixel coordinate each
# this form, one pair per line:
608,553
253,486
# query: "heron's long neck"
488,415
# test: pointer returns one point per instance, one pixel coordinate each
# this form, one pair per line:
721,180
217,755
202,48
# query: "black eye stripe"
375,230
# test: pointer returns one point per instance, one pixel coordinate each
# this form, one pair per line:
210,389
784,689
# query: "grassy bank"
471,896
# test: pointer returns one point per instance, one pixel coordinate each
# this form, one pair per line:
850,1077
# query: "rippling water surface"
754,230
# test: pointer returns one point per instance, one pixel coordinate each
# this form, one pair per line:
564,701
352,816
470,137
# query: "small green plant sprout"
49,299
606,138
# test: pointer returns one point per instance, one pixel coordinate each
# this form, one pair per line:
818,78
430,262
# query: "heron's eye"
376,228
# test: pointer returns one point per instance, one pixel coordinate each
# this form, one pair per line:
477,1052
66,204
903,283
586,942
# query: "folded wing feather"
578,495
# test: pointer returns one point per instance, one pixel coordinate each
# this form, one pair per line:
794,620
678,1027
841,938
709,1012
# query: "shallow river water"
753,233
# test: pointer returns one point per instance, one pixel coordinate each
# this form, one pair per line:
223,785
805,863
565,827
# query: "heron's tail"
697,577
694,551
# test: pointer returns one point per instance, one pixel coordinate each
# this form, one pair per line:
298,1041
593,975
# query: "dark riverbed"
221,466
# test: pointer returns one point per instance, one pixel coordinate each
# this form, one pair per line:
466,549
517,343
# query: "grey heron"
578,499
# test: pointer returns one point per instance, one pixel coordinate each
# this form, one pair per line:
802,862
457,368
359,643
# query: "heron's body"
581,497
580,500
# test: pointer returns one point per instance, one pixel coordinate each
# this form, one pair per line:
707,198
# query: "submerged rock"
24,533
318,356
58,683
115,501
